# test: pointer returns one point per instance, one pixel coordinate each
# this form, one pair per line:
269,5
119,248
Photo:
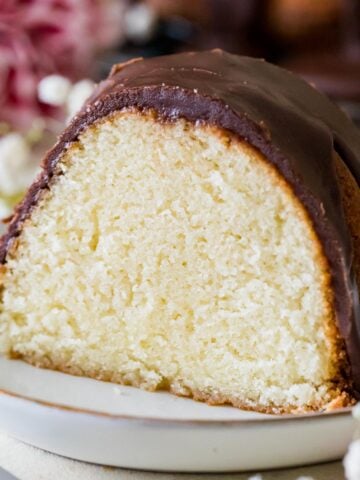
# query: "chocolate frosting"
295,127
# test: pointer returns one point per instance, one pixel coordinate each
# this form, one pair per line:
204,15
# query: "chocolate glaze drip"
295,127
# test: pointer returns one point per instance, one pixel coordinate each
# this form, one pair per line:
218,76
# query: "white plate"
122,426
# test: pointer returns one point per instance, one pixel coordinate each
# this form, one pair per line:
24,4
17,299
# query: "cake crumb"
216,179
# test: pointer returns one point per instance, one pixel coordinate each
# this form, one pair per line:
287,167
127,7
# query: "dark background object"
319,40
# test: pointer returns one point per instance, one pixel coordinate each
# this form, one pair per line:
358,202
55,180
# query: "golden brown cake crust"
340,398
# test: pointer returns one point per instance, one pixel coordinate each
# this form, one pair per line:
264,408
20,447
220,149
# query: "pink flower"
40,37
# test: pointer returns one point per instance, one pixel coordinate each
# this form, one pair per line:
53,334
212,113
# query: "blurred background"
52,53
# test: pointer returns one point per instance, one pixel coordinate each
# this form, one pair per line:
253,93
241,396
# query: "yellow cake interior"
173,256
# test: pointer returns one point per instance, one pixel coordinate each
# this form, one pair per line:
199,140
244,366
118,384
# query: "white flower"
140,21
14,158
78,95
352,461
54,90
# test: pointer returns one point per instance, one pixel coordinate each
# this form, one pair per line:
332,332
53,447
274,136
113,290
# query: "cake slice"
195,229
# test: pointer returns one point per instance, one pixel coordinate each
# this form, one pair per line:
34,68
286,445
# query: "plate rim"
273,419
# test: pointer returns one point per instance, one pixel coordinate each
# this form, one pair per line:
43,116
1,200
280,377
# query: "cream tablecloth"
29,463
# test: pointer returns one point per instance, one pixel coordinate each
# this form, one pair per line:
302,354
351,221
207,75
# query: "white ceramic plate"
122,426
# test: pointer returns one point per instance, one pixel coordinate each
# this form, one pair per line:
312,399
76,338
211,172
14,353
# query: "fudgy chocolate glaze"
295,127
